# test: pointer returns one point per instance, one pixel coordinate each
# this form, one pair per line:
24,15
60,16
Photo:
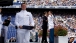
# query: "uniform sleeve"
17,20
1,20
49,22
31,20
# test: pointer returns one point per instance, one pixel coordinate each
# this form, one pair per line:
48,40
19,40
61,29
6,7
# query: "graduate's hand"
20,27
0,35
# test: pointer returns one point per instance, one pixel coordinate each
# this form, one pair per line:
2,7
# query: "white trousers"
0,28
5,33
23,36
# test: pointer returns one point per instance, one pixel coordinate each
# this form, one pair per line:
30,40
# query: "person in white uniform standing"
23,18
0,22
1,41
51,26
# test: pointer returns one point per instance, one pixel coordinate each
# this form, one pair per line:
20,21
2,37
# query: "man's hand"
20,27
48,30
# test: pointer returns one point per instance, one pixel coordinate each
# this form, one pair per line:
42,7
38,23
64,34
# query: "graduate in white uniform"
1,41
23,18
0,22
51,26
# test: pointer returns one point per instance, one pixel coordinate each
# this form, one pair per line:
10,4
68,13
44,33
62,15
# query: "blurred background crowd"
42,3
67,20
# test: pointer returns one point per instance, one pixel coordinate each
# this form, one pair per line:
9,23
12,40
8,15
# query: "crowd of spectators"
42,3
67,21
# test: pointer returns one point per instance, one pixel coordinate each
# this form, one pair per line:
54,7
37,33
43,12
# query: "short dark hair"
23,3
45,12
71,37
9,17
50,11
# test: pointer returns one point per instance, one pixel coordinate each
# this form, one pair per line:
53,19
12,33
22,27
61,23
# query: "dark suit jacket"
45,22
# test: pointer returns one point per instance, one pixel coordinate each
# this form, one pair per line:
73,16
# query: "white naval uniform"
23,18
0,23
50,22
51,28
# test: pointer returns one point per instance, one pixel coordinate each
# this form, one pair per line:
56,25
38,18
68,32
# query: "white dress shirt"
50,22
24,18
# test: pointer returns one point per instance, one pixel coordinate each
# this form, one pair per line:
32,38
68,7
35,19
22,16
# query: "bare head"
71,39
23,6
45,13
49,12
9,17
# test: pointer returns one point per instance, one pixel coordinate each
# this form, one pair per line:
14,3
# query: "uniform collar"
50,15
23,11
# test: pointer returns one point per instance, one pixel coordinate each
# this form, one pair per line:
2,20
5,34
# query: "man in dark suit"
44,27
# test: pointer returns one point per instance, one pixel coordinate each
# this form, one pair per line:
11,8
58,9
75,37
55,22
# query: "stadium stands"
44,4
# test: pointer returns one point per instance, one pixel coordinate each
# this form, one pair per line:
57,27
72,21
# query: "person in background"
33,34
23,18
71,40
44,27
6,24
51,26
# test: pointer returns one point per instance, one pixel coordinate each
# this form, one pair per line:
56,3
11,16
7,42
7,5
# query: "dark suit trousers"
44,35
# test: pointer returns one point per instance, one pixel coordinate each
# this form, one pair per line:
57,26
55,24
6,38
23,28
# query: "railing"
55,7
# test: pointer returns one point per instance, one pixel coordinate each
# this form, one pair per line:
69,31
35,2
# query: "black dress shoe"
45,42
31,40
42,41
